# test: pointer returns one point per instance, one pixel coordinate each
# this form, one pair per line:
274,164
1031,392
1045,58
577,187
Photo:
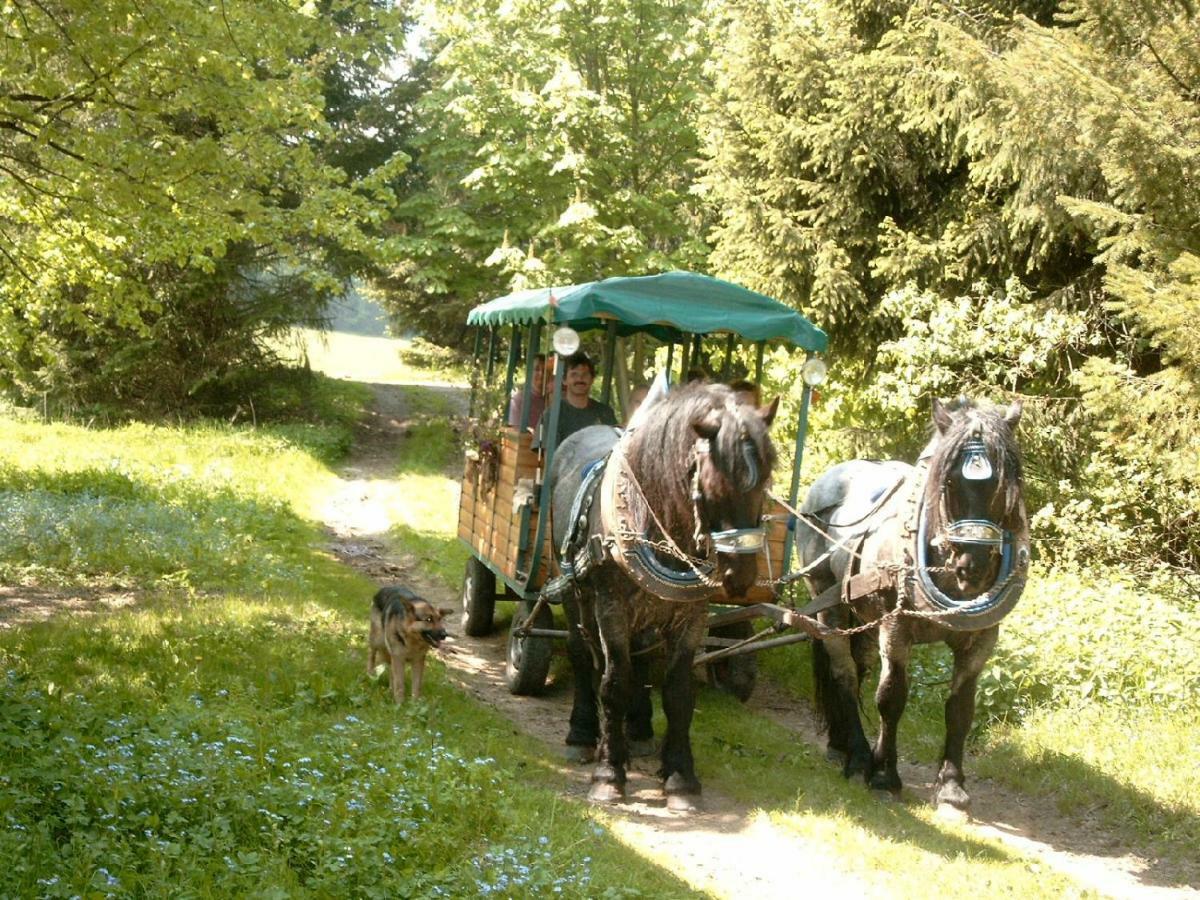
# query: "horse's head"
729,473
974,490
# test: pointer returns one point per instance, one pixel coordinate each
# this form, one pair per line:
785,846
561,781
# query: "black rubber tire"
734,675
478,599
528,661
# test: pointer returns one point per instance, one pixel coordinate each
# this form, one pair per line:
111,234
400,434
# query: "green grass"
900,849
1089,705
205,506
228,746
225,740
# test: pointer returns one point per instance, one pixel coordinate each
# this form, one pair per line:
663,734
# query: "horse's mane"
987,424
660,449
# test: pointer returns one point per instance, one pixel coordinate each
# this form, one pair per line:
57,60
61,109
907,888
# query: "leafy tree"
990,196
557,145
156,160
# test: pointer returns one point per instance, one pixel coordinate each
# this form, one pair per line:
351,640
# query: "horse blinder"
734,541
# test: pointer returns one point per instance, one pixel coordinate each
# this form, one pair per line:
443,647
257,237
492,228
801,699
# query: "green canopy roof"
665,305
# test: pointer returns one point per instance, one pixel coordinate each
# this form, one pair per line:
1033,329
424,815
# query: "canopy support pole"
610,344
491,357
514,353
801,432
758,361
550,443
474,373
535,346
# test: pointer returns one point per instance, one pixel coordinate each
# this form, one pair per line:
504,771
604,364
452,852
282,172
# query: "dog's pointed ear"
941,416
447,610
767,413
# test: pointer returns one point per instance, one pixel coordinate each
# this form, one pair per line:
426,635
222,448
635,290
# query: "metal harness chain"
817,629
812,626
668,545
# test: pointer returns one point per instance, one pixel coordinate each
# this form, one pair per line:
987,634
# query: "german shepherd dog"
403,628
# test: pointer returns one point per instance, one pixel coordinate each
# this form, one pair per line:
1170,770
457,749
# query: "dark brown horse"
935,552
675,521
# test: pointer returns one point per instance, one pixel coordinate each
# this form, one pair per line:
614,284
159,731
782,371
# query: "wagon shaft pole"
726,652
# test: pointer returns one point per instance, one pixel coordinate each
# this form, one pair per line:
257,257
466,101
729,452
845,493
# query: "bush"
1100,636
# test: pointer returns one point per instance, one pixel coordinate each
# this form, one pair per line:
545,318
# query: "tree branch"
1190,93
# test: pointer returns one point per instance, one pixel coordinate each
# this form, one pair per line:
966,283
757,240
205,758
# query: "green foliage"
170,198
888,167
205,747
207,506
1100,638
557,145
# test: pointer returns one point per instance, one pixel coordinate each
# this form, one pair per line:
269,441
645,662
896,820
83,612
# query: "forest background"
983,197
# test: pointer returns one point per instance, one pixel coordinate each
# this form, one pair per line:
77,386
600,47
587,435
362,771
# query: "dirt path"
726,850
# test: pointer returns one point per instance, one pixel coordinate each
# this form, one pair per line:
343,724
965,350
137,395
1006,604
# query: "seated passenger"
578,409
537,398
636,396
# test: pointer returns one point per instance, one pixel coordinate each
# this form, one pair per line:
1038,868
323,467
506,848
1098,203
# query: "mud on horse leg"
680,783
970,655
890,697
836,675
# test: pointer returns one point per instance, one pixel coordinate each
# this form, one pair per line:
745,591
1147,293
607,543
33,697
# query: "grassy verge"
226,746
224,740
1090,701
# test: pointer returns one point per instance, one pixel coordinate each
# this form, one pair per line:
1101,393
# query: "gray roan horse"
935,552
673,521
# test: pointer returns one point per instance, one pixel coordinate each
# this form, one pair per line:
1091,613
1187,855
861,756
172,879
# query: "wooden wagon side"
498,511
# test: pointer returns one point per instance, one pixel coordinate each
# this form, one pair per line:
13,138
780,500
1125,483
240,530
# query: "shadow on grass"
1095,797
752,760
1103,816
218,744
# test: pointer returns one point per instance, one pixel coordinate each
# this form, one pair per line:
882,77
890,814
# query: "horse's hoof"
580,753
951,797
837,757
679,785
858,765
683,803
888,782
642,748
605,792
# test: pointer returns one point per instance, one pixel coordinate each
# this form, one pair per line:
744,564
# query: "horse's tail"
824,688
838,699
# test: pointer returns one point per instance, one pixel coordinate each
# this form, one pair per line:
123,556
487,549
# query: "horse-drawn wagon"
638,532
505,504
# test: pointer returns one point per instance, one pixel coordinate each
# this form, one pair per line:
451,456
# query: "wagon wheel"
528,657
478,598
734,675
